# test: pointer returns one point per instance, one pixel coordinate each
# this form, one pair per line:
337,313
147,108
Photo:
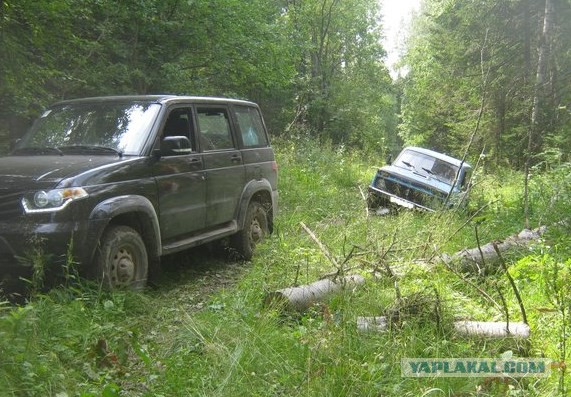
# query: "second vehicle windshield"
427,165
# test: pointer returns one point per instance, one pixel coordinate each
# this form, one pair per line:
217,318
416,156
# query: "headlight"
380,183
52,200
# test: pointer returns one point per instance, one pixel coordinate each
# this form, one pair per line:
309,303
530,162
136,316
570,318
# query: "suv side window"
251,126
179,124
214,128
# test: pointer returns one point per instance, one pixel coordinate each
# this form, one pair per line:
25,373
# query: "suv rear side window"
214,128
251,127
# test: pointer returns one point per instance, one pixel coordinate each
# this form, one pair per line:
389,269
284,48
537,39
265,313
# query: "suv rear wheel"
254,232
122,260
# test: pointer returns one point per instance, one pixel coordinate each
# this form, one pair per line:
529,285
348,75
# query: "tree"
344,92
67,48
462,52
535,138
316,62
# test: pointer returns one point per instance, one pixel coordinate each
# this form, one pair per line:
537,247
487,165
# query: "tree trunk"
535,136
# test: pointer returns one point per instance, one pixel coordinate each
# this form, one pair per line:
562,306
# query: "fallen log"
484,258
492,329
372,324
488,329
302,297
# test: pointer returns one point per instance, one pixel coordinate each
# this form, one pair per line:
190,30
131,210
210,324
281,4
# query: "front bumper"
394,199
25,245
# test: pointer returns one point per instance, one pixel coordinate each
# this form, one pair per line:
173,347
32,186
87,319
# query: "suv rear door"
223,163
258,156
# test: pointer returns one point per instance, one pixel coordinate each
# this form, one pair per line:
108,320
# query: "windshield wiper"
38,150
91,149
439,178
409,165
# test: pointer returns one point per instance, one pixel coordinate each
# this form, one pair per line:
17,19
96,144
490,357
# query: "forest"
488,81
493,73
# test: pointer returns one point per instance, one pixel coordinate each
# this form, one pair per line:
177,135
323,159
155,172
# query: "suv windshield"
427,165
99,127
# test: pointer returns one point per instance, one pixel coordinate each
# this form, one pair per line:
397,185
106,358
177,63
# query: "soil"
190,278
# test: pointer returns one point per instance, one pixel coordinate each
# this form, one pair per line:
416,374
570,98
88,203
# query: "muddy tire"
254,232
122,260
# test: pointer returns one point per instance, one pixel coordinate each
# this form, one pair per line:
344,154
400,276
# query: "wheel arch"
260,191
137,212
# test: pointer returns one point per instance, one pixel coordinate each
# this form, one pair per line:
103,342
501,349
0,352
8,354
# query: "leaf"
111,390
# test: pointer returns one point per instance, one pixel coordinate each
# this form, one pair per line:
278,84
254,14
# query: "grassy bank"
202,329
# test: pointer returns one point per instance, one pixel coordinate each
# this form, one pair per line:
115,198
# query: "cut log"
484,258
492,329
372,324
304,296
488,329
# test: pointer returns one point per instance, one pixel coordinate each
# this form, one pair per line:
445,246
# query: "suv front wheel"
254,231
122,260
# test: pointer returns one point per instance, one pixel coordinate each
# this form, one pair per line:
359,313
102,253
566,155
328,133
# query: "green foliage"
69,342
314,66
222,47
343,91
310,63
473,67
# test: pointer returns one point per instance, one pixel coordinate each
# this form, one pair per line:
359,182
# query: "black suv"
118,182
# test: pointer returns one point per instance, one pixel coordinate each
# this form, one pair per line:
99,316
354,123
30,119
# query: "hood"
416,178
47,170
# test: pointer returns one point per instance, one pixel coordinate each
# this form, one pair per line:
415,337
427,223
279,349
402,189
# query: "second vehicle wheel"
254,231
122,260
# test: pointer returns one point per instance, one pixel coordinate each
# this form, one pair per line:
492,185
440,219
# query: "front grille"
10,205
415,193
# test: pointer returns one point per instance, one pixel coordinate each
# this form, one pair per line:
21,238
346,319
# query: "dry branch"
321,246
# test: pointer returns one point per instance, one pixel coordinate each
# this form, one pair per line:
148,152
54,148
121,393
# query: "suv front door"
181,180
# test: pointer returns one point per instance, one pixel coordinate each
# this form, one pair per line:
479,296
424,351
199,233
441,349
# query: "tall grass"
169,341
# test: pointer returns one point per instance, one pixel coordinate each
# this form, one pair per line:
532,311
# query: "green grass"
171,340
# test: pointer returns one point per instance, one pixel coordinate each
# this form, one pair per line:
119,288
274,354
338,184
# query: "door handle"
194,164
236,158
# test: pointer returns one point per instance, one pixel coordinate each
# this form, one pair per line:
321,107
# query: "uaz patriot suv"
118,182
422,179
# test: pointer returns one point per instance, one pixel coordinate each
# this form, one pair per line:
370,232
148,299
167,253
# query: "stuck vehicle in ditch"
115,183
420,179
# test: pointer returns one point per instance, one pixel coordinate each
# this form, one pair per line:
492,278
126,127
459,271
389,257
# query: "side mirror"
175,146
389,159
